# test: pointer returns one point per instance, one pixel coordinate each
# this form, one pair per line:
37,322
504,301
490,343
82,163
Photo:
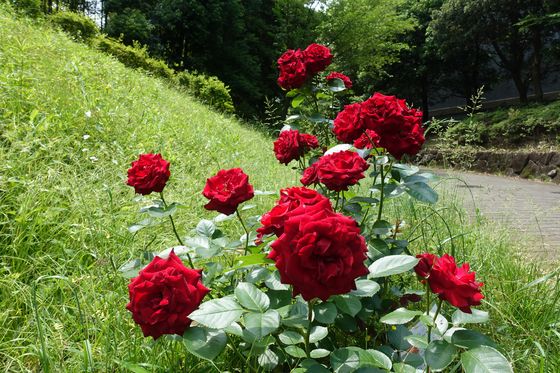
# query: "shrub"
30,8
77,25
134,56
208,89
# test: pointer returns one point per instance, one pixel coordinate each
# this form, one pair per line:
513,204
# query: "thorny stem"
175,231
246,231
382,193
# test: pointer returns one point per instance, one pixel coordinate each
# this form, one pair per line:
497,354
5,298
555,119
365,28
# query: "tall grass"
71,121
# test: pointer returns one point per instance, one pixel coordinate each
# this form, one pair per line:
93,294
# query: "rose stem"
246,231
337,198
308,331
175,231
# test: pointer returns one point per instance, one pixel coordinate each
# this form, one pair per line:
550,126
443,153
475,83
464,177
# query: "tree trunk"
536,74
520,85
425,102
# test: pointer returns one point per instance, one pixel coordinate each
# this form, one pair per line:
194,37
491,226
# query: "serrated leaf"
262,324
439,354
317,333
295,352
325,313
250,297
319,353
268,360
206,228
392,265
417,341
289,337
273,282
365,288
485,359
422,192
348,304
476,317
471,339
204,343
400,316
217,313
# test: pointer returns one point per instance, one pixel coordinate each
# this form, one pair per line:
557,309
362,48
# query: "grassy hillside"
71,121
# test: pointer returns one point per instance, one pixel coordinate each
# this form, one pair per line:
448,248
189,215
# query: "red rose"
364,141
317,57
346,80
292,145
148,174
425,264
163,295
310,175
338,171
320,253
290,200
293,71
227,190
398,126
453,284
348,125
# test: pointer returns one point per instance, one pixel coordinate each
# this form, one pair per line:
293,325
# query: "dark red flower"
398,126
348,124
163,295
227,190
293,71
338,171
364,141
290,200
346,80
310,175
317,57
291,145
320,253
456,285
148,174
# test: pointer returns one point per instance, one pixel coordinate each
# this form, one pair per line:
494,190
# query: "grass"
71,121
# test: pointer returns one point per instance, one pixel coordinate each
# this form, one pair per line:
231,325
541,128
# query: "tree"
366,36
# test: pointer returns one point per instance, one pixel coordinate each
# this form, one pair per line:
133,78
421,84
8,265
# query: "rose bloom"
163,295
346,80
364,141
291,145
290,199
338,171
348,124
293,71
320,253
452,283
398,126
227,190
310,175
317,57
148,174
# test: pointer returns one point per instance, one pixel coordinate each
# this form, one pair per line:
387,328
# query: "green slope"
71,121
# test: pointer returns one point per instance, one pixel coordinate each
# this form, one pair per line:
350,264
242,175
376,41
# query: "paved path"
530,207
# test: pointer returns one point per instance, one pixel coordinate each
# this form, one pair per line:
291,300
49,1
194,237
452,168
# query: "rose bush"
322,282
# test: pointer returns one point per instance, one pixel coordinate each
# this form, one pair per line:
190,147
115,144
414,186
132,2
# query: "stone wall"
528,165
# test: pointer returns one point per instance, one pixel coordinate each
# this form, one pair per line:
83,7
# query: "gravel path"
530,207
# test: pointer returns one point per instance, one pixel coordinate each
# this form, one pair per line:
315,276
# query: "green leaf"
295,352
382,227
417,341
348,359
439,355
399,316
205,343
217,313
485,359
298,100
336,85
273,282
319,353
297,316
422,192
377,359
251,298
206,228
268,360
403,368
392,265
348,304
253,259
257,274
471,339
325,313
365,288
157,211
317,333
476,317
262,324
289,337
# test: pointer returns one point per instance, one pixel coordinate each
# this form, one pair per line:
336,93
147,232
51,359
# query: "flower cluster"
397,127
452,283
297,66
291,145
